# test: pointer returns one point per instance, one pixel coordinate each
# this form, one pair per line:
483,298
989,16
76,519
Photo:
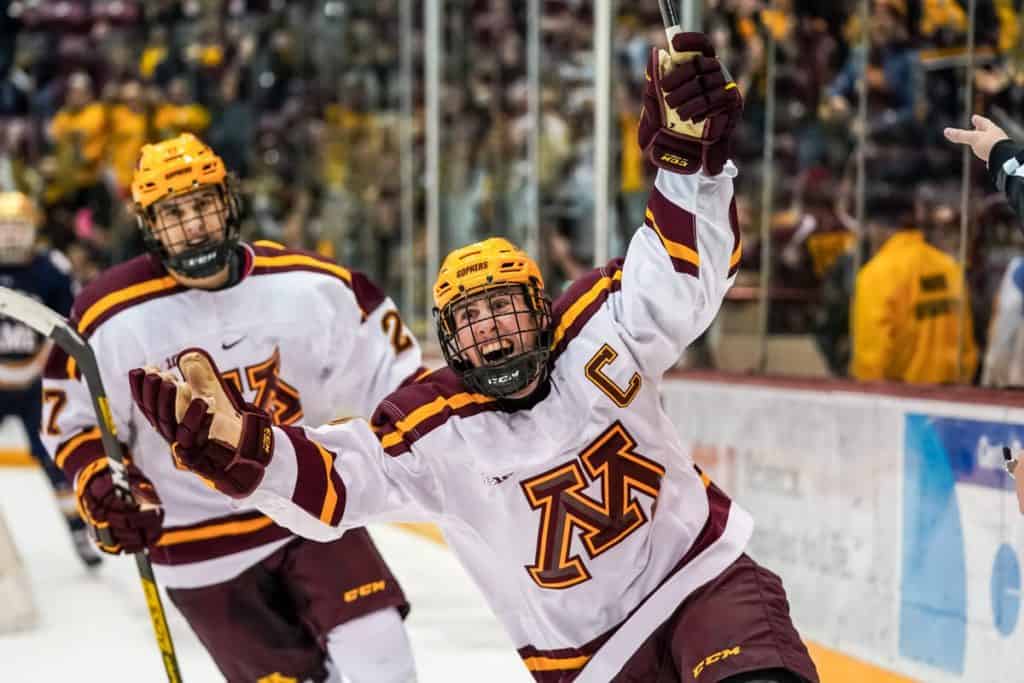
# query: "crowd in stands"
302,100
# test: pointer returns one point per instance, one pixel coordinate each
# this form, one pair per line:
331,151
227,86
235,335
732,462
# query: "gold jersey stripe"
737,254
675,249
214,531
331,497
427,411
552,664
123,296
302,260
581,304
65,452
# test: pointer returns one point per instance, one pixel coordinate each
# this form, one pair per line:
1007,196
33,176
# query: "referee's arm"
1005,158
1006,167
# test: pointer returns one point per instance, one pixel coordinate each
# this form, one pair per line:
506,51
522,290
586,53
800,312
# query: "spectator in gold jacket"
79,136
911,317
129,131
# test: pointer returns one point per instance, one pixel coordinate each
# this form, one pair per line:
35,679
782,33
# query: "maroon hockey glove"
212,431
691,108
116,525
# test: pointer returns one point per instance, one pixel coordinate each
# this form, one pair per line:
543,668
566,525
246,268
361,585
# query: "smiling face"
496,328
494,325
192,220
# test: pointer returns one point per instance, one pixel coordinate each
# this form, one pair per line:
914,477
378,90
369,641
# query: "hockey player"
542,450
23,352
299,336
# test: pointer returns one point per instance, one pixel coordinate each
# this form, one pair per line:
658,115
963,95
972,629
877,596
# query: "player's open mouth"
496,351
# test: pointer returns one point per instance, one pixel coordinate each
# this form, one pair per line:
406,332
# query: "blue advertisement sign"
941,456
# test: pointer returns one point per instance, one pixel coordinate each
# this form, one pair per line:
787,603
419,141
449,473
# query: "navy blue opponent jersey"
23,351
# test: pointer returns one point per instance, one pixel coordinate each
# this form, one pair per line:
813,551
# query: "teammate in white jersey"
304,340
542,449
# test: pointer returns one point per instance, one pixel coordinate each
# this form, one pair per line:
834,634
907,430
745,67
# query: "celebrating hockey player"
303,339
542,449
23,352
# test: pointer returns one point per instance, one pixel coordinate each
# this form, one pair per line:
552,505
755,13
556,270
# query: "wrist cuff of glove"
675,156
257,442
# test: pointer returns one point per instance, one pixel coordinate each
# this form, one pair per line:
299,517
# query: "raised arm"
684,258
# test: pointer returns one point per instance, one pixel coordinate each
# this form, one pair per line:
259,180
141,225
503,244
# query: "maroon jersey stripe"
128,284
574,309
78,451
215,538
677,229
322,492
737,241
280,260
59,365
399,430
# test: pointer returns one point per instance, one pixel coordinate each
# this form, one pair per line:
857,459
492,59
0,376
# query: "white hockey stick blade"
19,611
29,311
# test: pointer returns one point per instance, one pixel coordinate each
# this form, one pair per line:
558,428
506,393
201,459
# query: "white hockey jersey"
579,511
299,335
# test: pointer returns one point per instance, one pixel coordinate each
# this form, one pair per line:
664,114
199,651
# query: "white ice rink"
94,626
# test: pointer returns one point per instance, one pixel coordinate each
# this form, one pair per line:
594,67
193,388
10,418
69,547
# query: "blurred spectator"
79,133
180,113
890,72
129,131
911,317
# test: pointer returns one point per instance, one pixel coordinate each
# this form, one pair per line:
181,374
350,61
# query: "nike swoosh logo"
226,345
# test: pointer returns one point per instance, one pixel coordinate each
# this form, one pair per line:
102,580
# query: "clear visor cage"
497,337
193,233
17,239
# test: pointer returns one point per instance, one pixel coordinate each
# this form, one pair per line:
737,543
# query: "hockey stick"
54,326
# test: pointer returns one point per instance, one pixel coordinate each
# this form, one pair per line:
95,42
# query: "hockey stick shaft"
54,326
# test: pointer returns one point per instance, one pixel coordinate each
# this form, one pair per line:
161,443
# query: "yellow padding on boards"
833,667
15,457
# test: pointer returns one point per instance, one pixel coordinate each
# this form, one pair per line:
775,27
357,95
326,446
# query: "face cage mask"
204,259
505,372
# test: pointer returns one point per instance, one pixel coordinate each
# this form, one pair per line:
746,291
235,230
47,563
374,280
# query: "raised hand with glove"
691,108
212,431
117,525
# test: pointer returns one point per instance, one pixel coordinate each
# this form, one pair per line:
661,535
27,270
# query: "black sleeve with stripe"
1006,167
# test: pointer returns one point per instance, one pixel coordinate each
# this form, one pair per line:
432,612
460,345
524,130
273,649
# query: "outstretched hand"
981,140
211,430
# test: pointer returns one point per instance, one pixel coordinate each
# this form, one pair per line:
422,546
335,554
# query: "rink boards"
888,515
